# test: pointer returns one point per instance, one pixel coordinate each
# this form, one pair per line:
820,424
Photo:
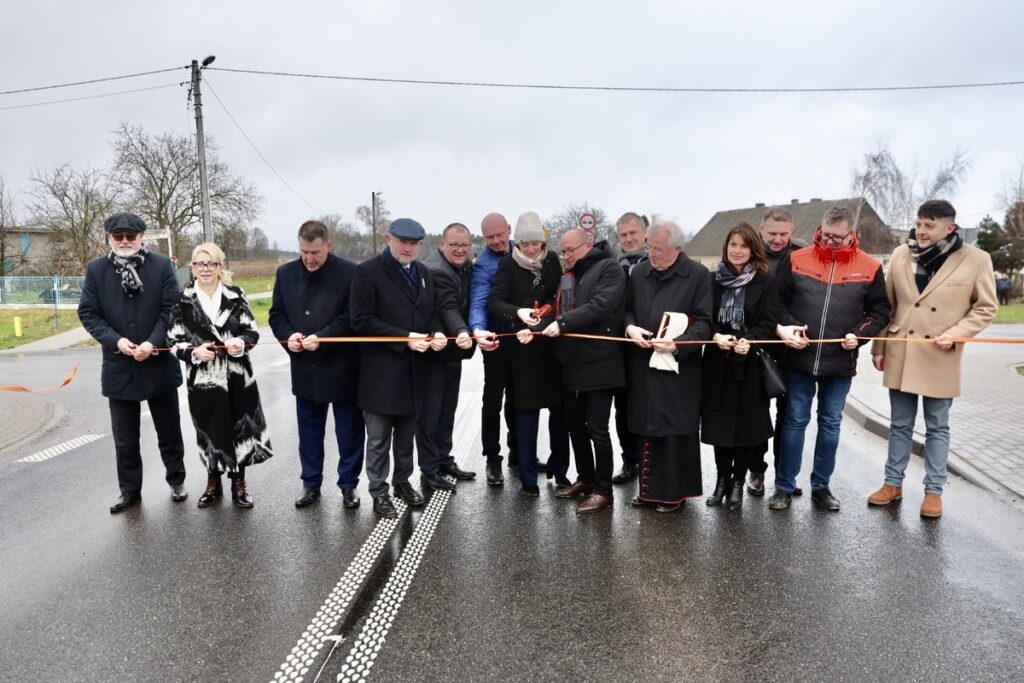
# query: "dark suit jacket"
391,374
108,313
317,303
452,304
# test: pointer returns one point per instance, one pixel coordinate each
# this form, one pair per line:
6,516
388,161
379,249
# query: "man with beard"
126,305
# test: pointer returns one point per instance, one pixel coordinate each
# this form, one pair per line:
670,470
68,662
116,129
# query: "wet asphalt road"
486,584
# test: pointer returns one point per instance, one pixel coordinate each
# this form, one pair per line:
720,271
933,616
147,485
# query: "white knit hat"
530,229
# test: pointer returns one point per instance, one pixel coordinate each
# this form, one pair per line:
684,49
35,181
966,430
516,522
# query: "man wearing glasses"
830,290
126,305
452,274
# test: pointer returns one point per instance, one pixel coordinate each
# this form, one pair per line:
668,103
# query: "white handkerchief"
672,325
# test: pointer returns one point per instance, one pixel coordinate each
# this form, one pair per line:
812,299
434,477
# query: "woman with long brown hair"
734,405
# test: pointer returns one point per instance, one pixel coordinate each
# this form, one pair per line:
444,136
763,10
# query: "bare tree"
11,256
1011,199
895,192
569,218
158,176
348,240
364,214
258,243
73,205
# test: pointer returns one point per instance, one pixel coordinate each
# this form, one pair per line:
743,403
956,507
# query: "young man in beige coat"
941,290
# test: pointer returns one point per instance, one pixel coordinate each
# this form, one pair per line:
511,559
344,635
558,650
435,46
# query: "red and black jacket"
834,292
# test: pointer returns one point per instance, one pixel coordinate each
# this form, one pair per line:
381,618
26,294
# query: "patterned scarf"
730,312
127,267
930,259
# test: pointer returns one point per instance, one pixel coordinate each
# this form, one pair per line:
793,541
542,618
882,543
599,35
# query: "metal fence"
50,290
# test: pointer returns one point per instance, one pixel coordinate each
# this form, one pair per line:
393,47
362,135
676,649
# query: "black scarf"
127,267
930,259
730,311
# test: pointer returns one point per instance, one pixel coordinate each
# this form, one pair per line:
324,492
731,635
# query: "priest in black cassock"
664,406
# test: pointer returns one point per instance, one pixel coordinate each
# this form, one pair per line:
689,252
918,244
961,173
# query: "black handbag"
771,375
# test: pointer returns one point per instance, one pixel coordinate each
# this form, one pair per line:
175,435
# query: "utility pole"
204,186
373,217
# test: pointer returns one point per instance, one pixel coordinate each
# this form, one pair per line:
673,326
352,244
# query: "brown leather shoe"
932,505
573,490
885,495
595,502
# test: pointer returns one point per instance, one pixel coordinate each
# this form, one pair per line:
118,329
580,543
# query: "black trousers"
587,414
437,418
733,463
124,422
497,386
628,441
757,461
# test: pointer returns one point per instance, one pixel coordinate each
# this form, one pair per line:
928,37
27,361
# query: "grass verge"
1014,313
36,323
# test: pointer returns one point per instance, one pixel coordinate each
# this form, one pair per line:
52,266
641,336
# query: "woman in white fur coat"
211,330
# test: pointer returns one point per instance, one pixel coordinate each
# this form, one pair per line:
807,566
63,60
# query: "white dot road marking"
69,445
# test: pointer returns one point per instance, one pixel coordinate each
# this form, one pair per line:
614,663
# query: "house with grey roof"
875,236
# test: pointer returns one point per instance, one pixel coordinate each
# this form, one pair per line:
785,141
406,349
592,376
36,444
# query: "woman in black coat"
529,276
734,405
211,329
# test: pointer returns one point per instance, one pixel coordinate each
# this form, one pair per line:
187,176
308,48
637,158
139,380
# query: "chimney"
759,205
794,201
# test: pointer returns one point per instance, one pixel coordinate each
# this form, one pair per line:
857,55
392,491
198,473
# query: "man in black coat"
777,234
452,274
591,300
632,232
393,296
311,300
126,305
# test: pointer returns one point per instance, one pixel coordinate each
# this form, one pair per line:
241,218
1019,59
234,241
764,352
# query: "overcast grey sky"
441,154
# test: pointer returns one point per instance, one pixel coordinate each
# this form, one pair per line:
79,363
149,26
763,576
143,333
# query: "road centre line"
60,448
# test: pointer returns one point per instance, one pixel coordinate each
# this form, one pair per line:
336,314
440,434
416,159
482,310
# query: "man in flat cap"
393,296
126,304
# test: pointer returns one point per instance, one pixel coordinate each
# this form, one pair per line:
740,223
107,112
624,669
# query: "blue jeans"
832,393
901,434
527,423
348,429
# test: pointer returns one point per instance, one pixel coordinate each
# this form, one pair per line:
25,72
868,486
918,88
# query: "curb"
56,416
875,423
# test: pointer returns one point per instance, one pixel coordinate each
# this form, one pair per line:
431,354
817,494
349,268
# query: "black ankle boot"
213,491
240,493
718,495
735,501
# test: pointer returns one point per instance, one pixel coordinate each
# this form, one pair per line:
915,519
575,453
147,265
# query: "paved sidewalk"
56,342
986,433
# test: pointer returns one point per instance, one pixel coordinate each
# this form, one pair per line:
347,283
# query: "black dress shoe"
626,474
637,503
542,465
349,498
798,492
780,500
384,506
823,498
494,475
531,491
755,485
178,493
437,482
411,496
454,470
308,497
124,502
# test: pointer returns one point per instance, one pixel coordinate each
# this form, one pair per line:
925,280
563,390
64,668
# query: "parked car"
68,294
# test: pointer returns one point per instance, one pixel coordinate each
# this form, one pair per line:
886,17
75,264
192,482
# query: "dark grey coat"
108,313
317,303
451,286
600,307
391,378
663,403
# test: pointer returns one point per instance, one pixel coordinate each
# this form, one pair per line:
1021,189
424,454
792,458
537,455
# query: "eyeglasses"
568,251
661,250
124,236
455,246
205,265
829,237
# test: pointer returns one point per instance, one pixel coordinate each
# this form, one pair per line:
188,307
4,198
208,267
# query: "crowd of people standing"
683,355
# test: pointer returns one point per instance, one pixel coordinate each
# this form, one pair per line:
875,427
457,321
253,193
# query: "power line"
614,88
255,149
94,80
89,97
